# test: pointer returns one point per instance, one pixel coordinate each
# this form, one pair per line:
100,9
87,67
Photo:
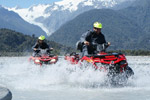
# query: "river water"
63,81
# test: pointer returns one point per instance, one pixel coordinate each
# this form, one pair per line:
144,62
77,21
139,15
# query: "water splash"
18,73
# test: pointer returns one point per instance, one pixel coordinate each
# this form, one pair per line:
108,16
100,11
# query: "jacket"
40,46
92,37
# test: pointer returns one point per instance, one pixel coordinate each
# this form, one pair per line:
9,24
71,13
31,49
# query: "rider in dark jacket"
90,37
40,44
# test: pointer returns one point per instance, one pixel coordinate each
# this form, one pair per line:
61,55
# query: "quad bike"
43,57
115,64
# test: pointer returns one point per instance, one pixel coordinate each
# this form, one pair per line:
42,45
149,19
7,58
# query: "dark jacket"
91,37
40,46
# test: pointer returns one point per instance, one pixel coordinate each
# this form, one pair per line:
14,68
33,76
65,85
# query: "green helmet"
97,25
42,37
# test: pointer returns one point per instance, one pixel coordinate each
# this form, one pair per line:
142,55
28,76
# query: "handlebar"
39,49
42,49
100,47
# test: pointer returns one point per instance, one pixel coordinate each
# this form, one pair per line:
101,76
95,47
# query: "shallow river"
63,81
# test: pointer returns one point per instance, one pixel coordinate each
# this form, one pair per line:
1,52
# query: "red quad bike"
73,58
43,58
115,64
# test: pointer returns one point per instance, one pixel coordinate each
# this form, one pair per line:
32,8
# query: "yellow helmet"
97,25
42,37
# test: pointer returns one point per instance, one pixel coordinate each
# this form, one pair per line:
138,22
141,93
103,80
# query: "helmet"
42,37
97,25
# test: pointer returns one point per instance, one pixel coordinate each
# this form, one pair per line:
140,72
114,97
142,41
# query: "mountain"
12,41
127,28
12,20
139,12
51,17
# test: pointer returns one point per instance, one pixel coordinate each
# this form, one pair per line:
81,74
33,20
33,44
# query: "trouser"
37,52
86,50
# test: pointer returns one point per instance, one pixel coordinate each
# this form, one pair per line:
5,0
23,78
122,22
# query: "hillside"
12,20
126,28
50,17
12,41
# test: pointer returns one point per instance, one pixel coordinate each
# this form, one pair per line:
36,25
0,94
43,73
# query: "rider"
89,37
40,44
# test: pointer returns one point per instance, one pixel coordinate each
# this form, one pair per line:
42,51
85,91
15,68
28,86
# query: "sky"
25,3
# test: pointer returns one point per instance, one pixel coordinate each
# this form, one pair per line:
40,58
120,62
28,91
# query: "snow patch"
71,5
44,11
30,14
88,3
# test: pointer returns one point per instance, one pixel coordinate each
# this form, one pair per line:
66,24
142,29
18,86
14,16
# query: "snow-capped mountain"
11,20
32,13
51,17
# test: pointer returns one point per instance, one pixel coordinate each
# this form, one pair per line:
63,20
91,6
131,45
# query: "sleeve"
35,46
104,41
47,46
85,36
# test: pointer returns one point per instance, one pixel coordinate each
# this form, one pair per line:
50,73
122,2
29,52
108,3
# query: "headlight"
90,61
37,60
53,60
